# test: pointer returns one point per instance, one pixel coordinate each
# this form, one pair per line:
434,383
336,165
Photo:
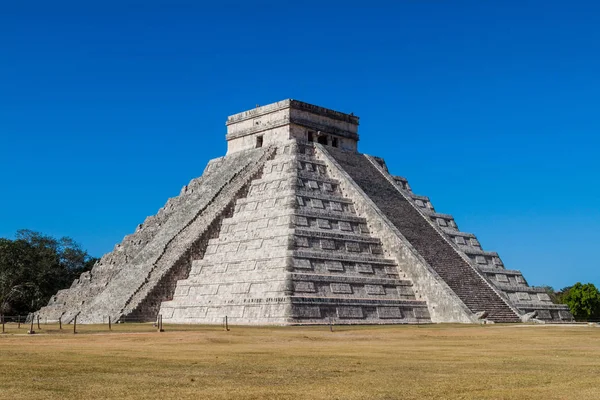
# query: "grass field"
399,362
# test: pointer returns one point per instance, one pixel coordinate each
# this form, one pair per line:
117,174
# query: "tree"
33,267
584,301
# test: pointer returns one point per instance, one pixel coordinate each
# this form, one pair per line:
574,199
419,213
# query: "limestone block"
389,312
306,312
375,290
187,313
340,288
316,203
302,263
234,288
353,247
480,260
334,266
523,296
323,223
203,290
544,314
565,315
335,206
421,313
304,287
312,185
350,312
219,312
543,297
327,244
364,268
181,291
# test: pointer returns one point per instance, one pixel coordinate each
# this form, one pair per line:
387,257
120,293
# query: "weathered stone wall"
278,122
294,252
242,273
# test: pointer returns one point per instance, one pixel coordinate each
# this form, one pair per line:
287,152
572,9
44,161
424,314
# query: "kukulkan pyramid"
295,226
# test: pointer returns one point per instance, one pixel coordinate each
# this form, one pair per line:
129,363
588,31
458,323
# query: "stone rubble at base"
294,226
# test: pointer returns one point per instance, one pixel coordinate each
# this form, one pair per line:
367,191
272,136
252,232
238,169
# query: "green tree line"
33,267
583,300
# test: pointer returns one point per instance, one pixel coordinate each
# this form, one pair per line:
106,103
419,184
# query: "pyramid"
295,226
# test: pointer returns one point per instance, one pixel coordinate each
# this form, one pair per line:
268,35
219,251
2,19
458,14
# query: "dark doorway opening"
322,140
259,141
334,142
311,137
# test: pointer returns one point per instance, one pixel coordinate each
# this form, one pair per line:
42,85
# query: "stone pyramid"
294,226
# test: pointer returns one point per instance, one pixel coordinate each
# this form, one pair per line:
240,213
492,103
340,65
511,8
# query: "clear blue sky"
489,108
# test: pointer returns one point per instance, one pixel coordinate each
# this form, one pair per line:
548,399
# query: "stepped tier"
294,226
510,283
142,270
294,252
464,280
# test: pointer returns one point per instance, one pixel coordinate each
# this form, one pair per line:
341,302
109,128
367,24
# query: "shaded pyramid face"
294,226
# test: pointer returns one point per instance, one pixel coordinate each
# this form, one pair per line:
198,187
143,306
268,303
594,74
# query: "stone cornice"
324,128
260,128
326,112
286,120
295,104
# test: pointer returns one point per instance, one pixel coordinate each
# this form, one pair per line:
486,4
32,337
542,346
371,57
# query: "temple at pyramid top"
278,122
295,226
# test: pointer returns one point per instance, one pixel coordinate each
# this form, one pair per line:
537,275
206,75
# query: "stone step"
359,280
431,244
321,214
349,269
327,233
342,257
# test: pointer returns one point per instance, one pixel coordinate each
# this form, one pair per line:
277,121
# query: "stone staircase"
532,302
123,280
475,292
294,252
339,269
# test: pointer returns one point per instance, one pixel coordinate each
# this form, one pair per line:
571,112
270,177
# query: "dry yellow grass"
398,362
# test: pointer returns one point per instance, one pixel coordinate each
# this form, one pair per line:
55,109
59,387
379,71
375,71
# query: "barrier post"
159,324
31,331
60,322
75,325
226,324
38,320
109,324
2,318
18,322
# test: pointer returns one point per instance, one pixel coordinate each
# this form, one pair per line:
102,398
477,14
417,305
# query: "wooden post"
159,323
31,331
18,322
38,319
75,325
60,322
109,324
226,324
331,324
